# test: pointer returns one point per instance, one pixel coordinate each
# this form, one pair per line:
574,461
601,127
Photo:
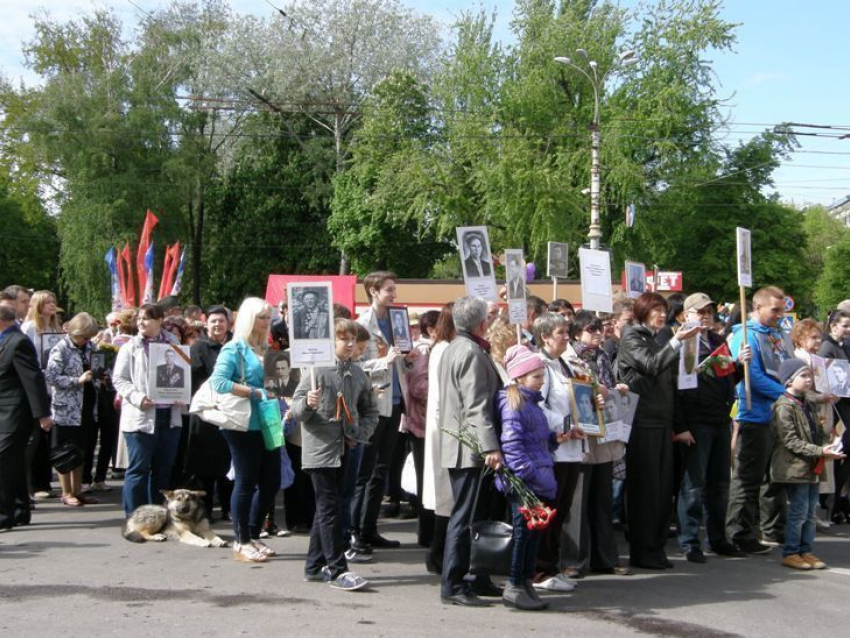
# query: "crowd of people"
476,403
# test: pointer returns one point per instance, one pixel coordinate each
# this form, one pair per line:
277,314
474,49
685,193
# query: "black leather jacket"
648,369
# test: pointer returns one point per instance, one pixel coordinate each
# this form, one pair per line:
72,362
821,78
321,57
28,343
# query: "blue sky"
789,64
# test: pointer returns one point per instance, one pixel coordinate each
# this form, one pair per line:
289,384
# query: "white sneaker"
556,583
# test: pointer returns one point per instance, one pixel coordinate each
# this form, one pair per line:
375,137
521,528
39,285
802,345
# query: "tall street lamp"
597,82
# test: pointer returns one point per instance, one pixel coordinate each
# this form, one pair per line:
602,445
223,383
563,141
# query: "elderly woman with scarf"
592,529
551,332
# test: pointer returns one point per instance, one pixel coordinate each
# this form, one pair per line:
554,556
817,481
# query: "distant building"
841,210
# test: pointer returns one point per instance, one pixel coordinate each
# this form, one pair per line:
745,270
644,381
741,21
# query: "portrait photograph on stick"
586,415
477,261
400,325
556,260
311,332
635,279
170,374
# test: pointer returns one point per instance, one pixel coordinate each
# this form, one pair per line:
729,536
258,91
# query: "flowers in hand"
537,515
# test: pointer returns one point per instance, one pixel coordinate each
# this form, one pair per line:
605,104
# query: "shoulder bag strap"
241,365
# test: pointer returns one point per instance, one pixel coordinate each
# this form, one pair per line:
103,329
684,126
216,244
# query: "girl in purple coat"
527,446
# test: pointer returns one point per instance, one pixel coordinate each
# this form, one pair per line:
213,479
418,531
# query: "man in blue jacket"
770,347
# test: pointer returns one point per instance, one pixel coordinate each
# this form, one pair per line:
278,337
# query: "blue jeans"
526,544
800,525
151,459
705,486
256,483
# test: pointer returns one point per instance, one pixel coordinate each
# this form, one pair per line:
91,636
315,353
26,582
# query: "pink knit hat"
519,361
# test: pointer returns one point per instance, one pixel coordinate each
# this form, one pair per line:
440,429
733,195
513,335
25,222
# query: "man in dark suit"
169,374
23,397
476,264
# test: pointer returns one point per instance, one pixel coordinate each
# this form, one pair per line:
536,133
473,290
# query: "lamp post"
597,82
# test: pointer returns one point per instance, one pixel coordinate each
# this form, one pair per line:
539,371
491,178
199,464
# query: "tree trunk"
197,238
344,264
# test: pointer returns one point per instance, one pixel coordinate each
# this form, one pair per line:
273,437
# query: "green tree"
381,206
28,250
267,214
831,288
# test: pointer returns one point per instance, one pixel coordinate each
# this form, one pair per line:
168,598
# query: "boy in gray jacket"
337,415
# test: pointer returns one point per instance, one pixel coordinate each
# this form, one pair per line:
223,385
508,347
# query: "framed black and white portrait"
400,328
586,415
280,378
556,260
169,374
635,279
47,340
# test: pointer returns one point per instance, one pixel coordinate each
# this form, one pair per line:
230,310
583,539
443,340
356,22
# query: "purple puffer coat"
527,444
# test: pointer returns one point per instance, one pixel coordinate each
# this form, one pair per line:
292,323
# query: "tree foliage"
349,126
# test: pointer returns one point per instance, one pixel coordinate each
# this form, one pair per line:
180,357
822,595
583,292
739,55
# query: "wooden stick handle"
744,342
313,378
554,288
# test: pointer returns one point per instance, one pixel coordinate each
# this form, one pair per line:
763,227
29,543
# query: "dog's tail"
132,535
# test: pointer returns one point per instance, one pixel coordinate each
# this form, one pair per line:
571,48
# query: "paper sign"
595,280
169,374
476,258
819,373
745,257
311,333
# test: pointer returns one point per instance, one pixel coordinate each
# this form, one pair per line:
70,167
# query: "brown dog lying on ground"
183,517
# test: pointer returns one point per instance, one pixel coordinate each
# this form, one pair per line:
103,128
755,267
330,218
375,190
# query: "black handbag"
491,544
66,457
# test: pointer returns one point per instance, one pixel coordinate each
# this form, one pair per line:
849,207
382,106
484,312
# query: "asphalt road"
71,574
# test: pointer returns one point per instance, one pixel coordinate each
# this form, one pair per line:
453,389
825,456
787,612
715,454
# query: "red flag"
172,256
723,366
130,287
122,287
151,220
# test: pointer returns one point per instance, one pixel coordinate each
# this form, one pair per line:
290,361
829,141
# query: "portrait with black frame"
400,328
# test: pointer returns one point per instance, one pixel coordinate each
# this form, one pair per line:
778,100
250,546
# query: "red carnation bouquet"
537,514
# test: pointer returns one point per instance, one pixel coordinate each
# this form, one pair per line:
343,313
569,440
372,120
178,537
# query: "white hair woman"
239,370
74,398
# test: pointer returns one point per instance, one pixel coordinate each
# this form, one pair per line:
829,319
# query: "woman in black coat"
207,455
836,337
648,368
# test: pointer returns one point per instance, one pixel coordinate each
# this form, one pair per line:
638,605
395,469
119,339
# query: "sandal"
264,549
247,553
71,501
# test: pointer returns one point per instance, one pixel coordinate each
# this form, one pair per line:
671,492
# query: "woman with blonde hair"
501,335
42,317
239,371
74,399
